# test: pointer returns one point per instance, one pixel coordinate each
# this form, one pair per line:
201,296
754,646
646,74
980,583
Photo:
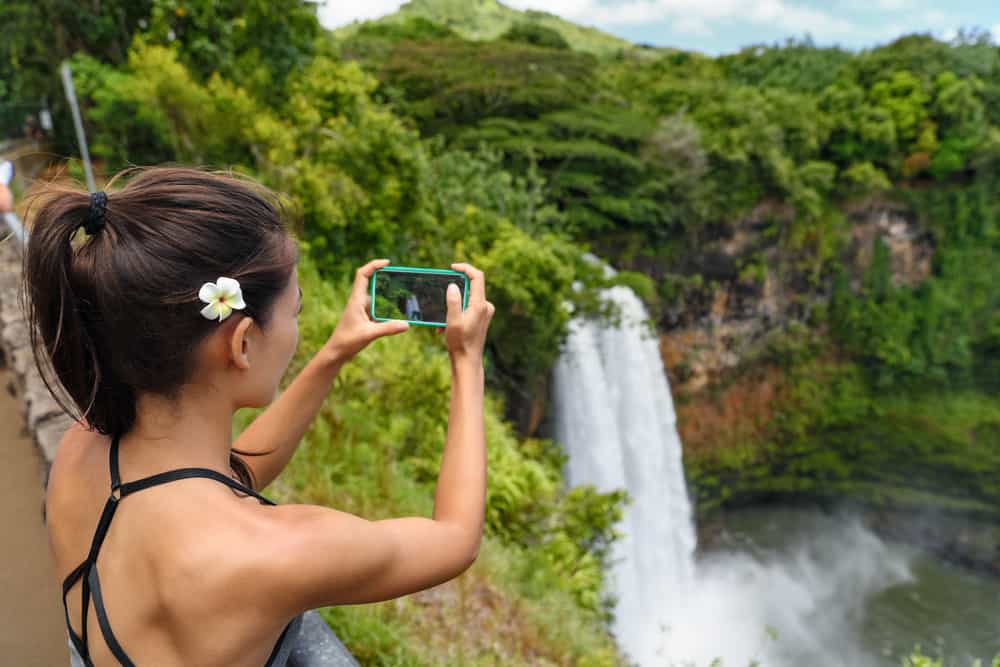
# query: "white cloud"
694,26
935,17
335,13
892,5
869,6
696,17
996,32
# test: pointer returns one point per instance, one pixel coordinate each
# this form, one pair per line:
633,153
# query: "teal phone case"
414,269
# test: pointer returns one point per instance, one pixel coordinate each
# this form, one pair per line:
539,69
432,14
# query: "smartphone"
6,172
415,295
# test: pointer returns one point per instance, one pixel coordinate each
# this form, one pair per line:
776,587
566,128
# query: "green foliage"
39,35
372,636
152,110
863,178
452,82
538,35
670,146
918,659
837,438
797,66
639,283
969,55
904,97
356,171
531,106
416,28
253,44
530,283
478,179
929,334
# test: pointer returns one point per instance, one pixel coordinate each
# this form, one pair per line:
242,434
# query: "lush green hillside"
483,20
828,218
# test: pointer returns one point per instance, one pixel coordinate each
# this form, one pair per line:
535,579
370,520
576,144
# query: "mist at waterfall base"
614,414
804,604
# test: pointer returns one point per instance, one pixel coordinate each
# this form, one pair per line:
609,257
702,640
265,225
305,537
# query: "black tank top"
87,570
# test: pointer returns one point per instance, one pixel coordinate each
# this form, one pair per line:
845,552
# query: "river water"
780,587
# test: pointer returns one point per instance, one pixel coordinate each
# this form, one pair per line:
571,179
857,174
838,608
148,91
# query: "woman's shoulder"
76,452
219,546
73,446
72,499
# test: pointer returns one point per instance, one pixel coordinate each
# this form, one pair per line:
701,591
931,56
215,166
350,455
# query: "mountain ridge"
483,20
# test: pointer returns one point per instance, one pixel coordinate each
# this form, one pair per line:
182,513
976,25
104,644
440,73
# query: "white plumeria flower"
222,297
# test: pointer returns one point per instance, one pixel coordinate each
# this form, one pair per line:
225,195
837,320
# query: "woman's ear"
239,343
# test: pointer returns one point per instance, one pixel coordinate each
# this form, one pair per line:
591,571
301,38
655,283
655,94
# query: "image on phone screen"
415,295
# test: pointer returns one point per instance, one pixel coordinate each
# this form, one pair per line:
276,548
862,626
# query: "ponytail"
61,306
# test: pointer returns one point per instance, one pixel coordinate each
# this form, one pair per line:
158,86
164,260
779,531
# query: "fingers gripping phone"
415,295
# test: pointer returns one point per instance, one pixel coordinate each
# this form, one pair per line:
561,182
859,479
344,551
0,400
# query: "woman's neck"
194,431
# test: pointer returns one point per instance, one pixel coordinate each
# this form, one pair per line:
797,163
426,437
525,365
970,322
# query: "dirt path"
31,619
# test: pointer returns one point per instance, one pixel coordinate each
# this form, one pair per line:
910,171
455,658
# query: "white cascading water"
614,415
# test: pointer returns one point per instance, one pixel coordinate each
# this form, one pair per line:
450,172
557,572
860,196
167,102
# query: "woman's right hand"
465,330
356,329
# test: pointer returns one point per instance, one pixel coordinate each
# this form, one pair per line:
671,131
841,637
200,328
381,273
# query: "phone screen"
417,296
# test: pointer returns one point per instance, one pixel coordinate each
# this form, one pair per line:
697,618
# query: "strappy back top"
87,570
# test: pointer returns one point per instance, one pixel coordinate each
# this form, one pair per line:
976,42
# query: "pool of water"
813,588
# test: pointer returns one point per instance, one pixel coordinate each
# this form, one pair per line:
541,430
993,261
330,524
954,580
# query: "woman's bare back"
170,567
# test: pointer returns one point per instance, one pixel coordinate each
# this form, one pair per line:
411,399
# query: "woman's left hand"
356,329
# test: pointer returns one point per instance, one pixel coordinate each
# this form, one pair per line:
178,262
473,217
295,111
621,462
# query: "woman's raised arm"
314,556
279,429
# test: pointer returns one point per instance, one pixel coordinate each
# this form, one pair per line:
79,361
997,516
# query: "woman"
178,308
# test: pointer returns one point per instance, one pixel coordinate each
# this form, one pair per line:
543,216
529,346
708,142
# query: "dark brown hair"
117,314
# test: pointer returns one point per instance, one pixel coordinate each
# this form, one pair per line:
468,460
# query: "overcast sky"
723,26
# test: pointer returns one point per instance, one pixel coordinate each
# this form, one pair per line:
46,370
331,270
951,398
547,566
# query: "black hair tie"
95,216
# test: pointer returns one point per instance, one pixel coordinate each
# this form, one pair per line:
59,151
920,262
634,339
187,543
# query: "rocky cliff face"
897,468
723,329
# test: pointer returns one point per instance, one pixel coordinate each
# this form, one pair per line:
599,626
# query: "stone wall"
45,419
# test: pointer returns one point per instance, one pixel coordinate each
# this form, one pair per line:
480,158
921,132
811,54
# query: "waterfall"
615,416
